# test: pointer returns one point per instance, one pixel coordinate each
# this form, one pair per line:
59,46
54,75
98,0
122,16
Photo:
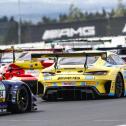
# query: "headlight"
96,73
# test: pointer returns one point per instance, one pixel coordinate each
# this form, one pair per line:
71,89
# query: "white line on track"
122,125
110,121
22,120
106,120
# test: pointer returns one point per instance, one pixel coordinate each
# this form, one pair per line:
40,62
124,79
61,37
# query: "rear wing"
8,50
103,54
19,50
80,39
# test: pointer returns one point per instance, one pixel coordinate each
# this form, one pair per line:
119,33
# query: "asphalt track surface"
99,112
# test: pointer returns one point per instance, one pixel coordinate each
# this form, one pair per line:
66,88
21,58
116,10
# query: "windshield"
8,57
77,60
28,56
24,56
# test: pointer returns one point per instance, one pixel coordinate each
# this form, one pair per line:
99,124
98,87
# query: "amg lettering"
68,78
69,32
124,29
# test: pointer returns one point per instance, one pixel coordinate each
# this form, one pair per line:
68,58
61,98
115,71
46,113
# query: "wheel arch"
13,88
123,82
121,76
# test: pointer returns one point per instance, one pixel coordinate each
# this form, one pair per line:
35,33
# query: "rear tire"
119,86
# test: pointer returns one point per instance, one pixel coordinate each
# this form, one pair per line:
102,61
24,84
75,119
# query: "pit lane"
100,112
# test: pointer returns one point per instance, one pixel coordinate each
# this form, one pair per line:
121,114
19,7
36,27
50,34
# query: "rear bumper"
71,91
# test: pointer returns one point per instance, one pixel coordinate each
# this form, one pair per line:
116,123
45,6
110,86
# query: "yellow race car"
79,74
23,65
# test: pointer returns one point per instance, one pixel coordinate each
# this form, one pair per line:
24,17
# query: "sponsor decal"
2,94
69,32
54,84
69,83
2,87
89,77
111,94
47,78
91,83
32,72
68,78
83,83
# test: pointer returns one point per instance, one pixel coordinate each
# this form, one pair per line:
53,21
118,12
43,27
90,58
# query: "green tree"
75,14
11,19
46,20
4,19
62,17
120,10
12,36
104,13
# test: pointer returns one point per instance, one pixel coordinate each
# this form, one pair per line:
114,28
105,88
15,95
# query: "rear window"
122,52
8,57
24,56
77,60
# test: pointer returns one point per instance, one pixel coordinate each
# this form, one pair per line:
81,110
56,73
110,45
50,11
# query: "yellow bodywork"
79,76
29,64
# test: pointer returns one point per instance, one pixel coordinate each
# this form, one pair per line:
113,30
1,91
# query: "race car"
16,97
25,68
24,64
8,55
93,73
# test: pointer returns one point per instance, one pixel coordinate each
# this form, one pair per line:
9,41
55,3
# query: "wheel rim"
23,99
119,86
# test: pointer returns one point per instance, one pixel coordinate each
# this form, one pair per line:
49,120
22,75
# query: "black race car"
16,97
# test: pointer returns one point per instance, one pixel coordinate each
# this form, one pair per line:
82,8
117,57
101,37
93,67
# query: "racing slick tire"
23,103
119,86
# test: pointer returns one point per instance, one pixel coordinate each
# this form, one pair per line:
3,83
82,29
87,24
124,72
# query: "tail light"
96,73
11,70
47,63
